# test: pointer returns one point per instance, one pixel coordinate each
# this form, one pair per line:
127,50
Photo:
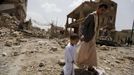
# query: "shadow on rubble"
83,72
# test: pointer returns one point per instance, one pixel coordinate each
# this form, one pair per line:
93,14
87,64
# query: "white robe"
69,58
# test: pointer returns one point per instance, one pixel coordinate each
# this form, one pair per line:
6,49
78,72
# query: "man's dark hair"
103,6
74,36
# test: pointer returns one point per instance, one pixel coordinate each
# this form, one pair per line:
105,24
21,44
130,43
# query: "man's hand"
82,38
72,61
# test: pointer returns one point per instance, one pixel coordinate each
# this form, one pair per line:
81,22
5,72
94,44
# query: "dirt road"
36,56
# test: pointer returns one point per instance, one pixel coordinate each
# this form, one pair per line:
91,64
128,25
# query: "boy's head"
74,38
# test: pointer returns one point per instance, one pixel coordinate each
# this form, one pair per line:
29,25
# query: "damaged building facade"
15,8
77,16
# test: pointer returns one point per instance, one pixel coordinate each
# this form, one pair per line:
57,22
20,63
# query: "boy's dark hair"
74,36
103,6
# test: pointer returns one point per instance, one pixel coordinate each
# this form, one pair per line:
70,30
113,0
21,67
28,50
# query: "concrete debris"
23,40
15,54
53,49
12,42
8,21
16,43
12,24
100,71
61,62
16,34
41,65
35,33
107,68
130,58
62,42
9,43
117,61
104,47
4,32
4,54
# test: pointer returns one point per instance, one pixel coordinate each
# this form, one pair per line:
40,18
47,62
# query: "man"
86,55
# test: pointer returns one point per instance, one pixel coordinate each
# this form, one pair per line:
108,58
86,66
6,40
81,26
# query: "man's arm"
87,28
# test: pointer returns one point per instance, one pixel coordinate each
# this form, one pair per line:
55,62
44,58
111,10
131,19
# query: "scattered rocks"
61,62
9,43
53,49
107,61
120,59
107,68
12,42
4,32
4,54
117,61
41,65
104,47
130,58
16,34
16,43
15,54
23,40
101,71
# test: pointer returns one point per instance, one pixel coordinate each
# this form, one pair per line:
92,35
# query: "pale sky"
46,11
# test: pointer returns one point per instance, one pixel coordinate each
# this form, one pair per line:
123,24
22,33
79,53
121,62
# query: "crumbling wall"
8,21
14,8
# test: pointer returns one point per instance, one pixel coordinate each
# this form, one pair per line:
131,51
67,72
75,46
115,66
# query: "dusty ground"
34,56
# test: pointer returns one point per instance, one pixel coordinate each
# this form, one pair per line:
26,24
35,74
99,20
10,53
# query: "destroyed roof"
87,5
75,13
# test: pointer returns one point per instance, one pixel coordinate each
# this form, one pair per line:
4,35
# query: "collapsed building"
123,36
13,16
15,8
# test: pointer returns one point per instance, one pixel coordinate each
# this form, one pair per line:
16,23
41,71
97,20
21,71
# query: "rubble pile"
38,33
35,33
8,21
10,25
4,32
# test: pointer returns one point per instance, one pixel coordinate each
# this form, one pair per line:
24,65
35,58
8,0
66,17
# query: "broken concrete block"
53,49
9,43
15,54
117,61
16,43
41,65
4,54
61,62
107,68
104,47
16,34
100,71
23,40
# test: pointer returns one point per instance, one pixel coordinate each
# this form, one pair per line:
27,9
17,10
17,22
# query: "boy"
68,69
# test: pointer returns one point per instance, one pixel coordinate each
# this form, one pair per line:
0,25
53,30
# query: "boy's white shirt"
69,58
